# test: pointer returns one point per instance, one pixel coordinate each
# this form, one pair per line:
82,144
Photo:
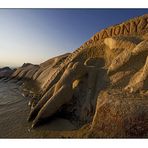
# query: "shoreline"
14,124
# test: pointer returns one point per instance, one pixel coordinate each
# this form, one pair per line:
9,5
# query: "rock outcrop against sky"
5,72
102,87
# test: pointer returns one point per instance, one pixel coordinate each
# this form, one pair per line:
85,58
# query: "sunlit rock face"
103,83
40,73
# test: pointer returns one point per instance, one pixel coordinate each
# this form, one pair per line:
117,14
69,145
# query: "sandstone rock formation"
120,114
103,83
5,72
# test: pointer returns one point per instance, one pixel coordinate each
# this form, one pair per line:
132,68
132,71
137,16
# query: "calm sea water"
14,111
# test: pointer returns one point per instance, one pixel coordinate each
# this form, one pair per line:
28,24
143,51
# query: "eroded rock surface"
103,83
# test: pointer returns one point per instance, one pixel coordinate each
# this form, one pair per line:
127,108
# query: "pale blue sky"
35,35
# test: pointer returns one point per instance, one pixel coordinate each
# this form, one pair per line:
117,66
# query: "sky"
35,35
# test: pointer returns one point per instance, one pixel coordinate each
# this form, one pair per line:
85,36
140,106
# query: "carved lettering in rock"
145,23
117,30
104,34
96,37
126,28
136,25
90,41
